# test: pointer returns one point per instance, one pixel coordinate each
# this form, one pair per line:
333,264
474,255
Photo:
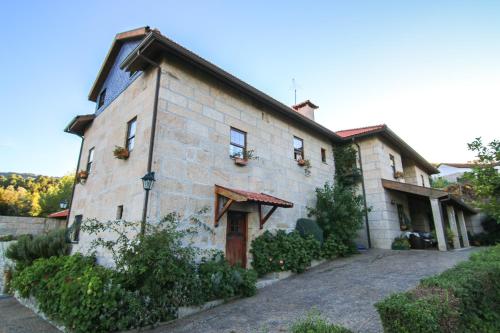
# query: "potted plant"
306,164
242,159
399,174
400,243
82,176
121,153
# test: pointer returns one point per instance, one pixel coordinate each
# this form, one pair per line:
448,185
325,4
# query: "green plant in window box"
121,153
242,159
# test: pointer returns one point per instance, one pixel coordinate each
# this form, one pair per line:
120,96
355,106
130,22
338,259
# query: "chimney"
306,108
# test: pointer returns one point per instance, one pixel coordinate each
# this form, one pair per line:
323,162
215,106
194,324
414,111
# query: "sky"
430,70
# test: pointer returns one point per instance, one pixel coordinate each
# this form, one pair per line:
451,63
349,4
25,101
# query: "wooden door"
236,238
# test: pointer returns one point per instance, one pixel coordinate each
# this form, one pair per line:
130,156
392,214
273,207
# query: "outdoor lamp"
63,204
148,180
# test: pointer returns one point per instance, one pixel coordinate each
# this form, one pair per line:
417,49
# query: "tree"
339,209
439,182
484,178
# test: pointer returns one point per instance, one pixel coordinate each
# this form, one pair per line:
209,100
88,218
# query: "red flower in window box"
121,153
82,174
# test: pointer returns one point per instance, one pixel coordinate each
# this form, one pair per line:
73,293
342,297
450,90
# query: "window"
131,125
90,159
423,182
238,145
323,155
298,148
119,212
102,97
393,164
75,229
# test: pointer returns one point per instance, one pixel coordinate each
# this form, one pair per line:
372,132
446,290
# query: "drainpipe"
74,183
152,138
364,193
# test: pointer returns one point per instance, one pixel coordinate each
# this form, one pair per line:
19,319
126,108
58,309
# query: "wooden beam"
230,194
268,215
413,189
223,211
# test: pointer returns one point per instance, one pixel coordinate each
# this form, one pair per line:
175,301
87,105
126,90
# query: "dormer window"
102,97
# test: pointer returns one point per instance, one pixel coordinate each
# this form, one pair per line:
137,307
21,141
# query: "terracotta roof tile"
357,131
61,214
261,197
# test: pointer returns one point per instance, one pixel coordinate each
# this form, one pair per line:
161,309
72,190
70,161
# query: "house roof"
359,131
384,131
464,165
262,198
60,215
79,124
111,56
155,45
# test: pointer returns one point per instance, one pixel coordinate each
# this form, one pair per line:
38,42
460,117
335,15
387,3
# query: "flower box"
399,174
121,153
240,161
82,175
301,162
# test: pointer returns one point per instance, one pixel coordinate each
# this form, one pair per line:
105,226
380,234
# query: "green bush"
461,299
308,227
333,248
283,252
221,280
77,293
339,211
315,323
28,248
7,238
400,243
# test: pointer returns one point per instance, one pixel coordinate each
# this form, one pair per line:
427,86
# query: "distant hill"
22,174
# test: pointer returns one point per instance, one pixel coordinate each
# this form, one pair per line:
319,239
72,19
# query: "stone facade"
191,155
383,217
113,182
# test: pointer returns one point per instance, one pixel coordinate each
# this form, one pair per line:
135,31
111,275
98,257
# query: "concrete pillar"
463,227
438,224
453,225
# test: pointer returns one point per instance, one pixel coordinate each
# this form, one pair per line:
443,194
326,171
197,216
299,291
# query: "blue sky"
428,69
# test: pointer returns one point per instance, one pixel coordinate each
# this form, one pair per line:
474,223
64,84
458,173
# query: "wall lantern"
148,180
63,204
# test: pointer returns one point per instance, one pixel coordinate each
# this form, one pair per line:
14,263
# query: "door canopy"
260,199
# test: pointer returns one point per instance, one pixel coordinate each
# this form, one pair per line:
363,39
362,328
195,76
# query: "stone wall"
191,154
17,225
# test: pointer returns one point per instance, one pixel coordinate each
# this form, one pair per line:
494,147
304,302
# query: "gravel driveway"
343,290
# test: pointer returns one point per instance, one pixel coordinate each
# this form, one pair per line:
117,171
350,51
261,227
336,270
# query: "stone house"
396,185
190,124
185,119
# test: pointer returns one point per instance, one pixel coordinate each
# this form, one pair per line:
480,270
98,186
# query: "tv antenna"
295,87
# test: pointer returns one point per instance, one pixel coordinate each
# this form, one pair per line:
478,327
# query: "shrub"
7,238
400,243
315,323
77,293
283,252
29,248
461,299
490,236
308,227
221,280
333,248
338,211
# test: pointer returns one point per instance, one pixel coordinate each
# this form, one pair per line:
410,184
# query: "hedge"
465,298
